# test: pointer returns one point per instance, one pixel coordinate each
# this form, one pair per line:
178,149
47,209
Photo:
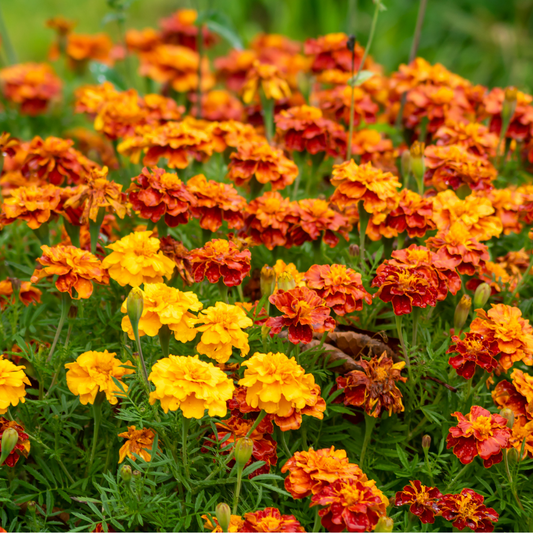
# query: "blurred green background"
486,41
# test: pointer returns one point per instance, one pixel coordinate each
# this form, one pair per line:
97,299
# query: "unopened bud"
126,473
73,311
10,438
405,163
416,160
135,305
426,441
482,295
286,281
223,516
461,312
15,284
509,416
243,451
509,105
267,281
385,524
513,456
136,475
265,331
350,44
353,250
32,507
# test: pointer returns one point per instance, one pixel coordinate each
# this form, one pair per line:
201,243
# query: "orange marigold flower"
311,471
235,524
155,194
413,214
467,510
219,105
34,204
219,258
61,25
83,48
506,396
289,270
352,182
456,247
303,313
424,501
144,40
22,446
75,269
378,227
268,165
139,442
27,293
177,252
303,128
31,85
351,505
375,148
374,388
479,433
473,136
233,68
339,286
269,79
90,98
215,202
505,325
473,351
453,166
180,28
474,213
522,436
270,519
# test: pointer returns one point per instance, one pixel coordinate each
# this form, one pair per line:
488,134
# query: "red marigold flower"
22,447
505,325
27,293
180,28
424,501
266,164
475,137
336,104
303,312
517,396
473,351
374,388
316,219
456,247
233,68
219,105
176,251
479,433
269,218
413,214
303,128
350,505
467,510
339,286
155,193
270,519
220,259
31,85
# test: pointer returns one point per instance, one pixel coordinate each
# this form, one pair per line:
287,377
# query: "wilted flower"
137,259
473,351
95,372
413,214
424,501
186,383
270,519
177,252
13,383
139,442
75,268
269,79
27,293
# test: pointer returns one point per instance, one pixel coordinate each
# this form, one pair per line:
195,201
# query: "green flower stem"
184,436
73,232
364,217
97,414
284,445
268,115
416,315
370,422
428,465
317,524
459,474
402,340
135,328
164,339
260,417
94,229
510,478
65,306
223,290
237,491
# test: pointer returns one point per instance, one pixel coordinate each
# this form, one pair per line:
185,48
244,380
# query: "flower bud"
508,105
243,451
509,416
126,473
405,164
10,437
482,295
461,312
223,516
135,305
15,284
73,311
265,330
353,250
267,281
286,281
426,441
416,160
32,507
385,523
513,456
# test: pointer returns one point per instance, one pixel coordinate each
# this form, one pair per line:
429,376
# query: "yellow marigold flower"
281,268
276,383
222,331
165,306
93,372
139,441
136,259
12,384
191,385
269,78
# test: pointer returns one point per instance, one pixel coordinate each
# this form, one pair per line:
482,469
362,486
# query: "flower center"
170,181
467,508
482,424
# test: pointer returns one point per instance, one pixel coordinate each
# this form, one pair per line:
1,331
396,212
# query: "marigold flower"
219,258
137,259
13,383
268,78
180,28
336,104
350,505
233,68
507,396
34,204
145,40
216,202
82,48
222,331
219,105
281,268
270,519
176,251
375,188
413,214
473,351
235,525
374,388
93,372
22,446
139,442
311,471
165,306
467,510
339,286
424,501
522,436
479,433
373,147
27,293
473,136
76,269
303,313
31,85
191,385
505,325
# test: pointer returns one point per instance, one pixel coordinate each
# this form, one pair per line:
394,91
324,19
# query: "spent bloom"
423,501
138,441
22,446
94,372
13,383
